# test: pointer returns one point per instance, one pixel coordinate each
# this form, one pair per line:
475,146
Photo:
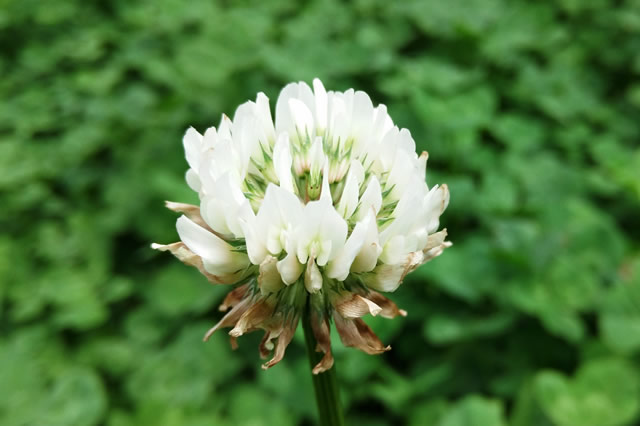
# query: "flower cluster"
317,211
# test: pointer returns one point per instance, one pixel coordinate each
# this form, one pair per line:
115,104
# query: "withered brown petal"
272,332
186,256
230,319
233,341
233,297
387,277
435,239
369,337
189,210
355,306
414,260
322,333
284,339
259,312
388,308
356,333
435,245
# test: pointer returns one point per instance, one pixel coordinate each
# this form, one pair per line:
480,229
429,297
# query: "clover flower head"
326,205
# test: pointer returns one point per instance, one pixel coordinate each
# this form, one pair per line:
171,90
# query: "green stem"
324,384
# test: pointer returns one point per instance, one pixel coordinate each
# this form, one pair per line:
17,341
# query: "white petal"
356,169
256,249
285,121
302,118
394,250
243,212
212,210
384,277
326,251
387,149
312,277
237,206
388,277
338,119
289,205
192,142
421,238
325,194
289,269
269,212
224,129
406,142
335,229
210,138
322,225
308,232
436,201
245,129
264,115
282,162
216,162
193,180
275,243
407,213
382,122
371,198
269,221
269,279
339,267
316,157
422,163
400,175
224,205
321,104
367,258
280,208
216,254
349,198
361,119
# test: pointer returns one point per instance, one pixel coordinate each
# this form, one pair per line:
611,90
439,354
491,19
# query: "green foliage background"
530,112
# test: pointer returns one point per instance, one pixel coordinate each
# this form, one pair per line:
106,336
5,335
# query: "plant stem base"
325,384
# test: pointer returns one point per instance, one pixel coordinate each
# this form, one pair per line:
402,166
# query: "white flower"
329,200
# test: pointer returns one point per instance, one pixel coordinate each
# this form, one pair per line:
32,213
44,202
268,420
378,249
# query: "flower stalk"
325,384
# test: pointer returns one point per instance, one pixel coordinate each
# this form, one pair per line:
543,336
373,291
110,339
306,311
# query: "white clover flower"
328,204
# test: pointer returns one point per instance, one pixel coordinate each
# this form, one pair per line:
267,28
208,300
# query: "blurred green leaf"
186,373
604,392
429,413
78,398
474,410
441,329
620,319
